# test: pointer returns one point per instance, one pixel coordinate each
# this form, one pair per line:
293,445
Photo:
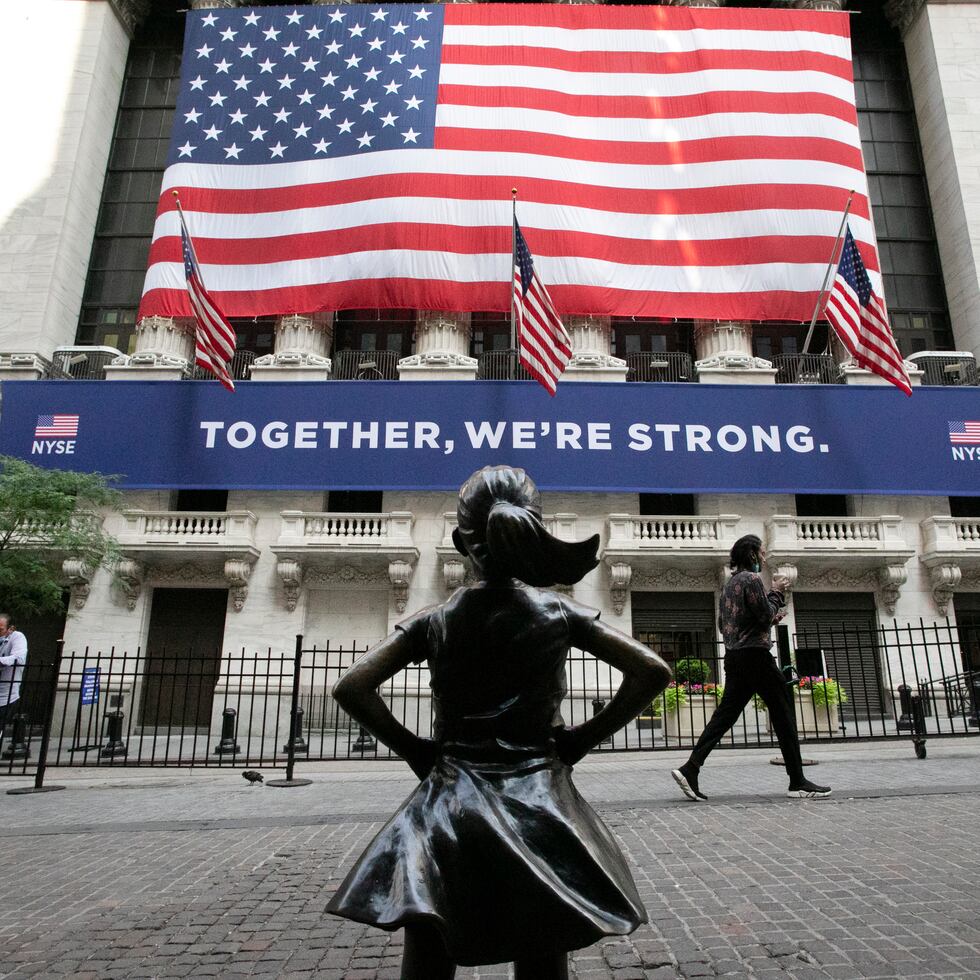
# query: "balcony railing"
241,365
947,367
170,530
365,365
500,365
807,369
836,534
659,366
951,534
345,531
672,533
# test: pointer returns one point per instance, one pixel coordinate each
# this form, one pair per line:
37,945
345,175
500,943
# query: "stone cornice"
131,13
902,13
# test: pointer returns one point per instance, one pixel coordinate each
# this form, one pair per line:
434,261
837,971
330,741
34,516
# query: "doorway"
183,657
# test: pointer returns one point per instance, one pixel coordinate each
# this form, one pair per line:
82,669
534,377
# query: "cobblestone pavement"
137,874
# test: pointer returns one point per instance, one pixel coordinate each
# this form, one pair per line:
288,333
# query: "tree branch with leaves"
47,516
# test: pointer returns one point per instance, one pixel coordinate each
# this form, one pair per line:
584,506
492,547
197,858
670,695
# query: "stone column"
724,354
442,344
592,358
164,351
302,349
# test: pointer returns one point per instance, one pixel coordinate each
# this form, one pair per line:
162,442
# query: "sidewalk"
173,873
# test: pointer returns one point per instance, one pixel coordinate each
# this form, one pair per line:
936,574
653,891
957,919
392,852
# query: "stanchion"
296,735
114,746
228,744
39,786
294,708
365,741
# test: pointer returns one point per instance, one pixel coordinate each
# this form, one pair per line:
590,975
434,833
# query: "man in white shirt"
13,656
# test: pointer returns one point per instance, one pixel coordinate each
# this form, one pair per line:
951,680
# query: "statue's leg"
425,956
545,966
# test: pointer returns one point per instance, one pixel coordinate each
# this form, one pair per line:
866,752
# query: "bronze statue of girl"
495,857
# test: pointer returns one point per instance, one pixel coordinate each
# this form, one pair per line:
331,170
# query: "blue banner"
366,435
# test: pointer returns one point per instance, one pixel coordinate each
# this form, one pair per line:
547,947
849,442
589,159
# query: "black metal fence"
169,709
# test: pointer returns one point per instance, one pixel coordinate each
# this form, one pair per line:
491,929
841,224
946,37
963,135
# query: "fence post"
294,707
42,760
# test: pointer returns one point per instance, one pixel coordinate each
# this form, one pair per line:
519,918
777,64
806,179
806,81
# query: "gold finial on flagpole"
513,193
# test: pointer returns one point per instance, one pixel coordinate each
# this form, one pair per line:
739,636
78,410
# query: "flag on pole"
215,336
860,319
545,348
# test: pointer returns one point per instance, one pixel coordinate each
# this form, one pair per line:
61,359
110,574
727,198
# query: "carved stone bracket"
453,573
902,13
291,574
78,575
944,579
130,574
237,574
891,578
790,573
400,574
620,576
131,12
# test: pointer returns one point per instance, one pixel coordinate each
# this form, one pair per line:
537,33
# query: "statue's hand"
422,756
569,744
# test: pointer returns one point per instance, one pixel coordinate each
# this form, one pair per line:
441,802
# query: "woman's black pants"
749,672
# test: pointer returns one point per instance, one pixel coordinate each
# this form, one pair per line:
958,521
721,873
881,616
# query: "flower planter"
690,718
811,719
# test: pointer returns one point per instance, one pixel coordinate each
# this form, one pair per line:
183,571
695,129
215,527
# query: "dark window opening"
355,501
964,506
667,504
209,501
821,505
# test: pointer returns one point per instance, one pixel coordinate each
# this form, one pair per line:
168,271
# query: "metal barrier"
270,708
365,365
807,369
240,367
659,366
501,365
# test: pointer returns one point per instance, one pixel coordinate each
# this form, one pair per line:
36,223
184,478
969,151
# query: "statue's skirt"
503,857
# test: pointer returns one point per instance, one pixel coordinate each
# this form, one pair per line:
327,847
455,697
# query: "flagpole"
826,275
513,262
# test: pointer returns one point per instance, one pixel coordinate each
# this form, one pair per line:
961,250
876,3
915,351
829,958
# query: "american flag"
56,427
544,345
861,321
671,161
214,336
964,433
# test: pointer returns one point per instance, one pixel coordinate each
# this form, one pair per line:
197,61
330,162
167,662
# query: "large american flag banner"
671,161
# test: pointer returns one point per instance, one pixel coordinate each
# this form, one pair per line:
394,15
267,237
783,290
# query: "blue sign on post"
91,682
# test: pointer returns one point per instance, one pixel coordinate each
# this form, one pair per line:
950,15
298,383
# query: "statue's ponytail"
500,527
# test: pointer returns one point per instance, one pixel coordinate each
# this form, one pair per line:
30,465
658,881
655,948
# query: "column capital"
164,351
902,13
302,349
131,13
592,358
442,344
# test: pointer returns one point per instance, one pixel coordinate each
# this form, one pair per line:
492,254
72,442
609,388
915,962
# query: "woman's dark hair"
744,552
499,527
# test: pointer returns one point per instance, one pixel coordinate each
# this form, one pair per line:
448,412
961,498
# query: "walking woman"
495,857
747,616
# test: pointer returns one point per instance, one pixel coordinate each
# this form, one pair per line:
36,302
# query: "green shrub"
825,690
691,670
673,697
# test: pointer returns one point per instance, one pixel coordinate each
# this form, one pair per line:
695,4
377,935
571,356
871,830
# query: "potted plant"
818,701
688,706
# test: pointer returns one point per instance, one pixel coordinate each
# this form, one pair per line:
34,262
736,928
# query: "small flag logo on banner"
964,433
57,427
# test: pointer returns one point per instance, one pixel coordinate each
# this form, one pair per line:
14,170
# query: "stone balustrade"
711,533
